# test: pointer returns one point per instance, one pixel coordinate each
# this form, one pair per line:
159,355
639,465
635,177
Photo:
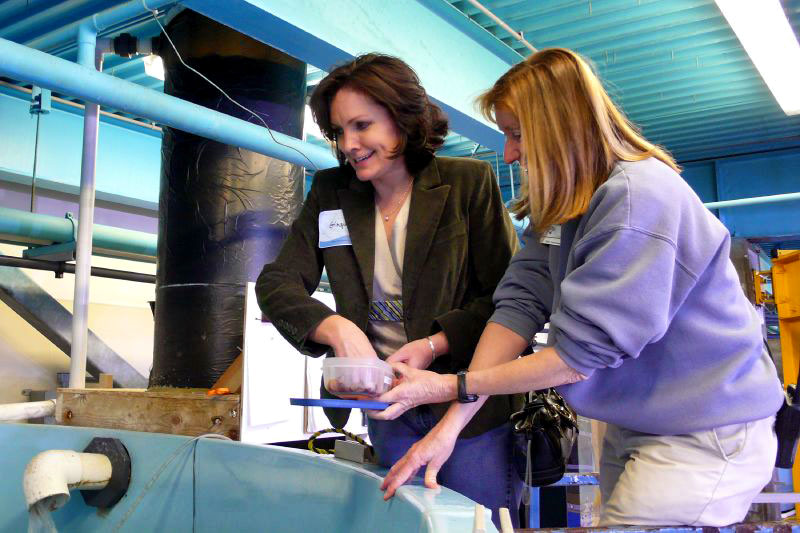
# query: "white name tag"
552,235
333,229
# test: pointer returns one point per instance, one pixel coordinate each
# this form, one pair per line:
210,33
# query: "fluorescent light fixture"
154,66
310,127
765,33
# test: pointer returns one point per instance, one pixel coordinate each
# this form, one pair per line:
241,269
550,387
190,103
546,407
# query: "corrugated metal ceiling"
675,66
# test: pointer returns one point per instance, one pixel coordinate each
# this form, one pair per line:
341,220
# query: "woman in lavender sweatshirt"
649,328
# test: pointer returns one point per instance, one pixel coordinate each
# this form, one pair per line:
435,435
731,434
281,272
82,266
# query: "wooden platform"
174,411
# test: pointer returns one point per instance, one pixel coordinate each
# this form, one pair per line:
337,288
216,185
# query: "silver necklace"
399,203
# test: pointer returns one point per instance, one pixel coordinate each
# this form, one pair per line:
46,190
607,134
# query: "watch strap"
463,397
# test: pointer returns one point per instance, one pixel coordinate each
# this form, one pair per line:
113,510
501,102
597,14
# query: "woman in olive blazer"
459,240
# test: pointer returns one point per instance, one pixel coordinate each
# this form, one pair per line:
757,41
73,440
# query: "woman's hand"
432,450
416,354
346,339
415,387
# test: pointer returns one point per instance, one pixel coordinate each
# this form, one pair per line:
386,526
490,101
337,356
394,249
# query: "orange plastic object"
218,392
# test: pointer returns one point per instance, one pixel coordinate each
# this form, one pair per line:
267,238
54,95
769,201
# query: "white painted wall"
119,314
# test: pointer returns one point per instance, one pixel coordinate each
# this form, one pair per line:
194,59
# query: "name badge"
552,235
333,229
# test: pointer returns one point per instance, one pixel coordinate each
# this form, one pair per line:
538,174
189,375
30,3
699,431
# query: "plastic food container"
346,376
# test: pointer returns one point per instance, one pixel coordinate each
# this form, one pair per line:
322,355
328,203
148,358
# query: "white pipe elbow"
51,474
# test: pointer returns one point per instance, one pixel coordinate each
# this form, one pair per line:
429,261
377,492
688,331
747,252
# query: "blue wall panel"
760,175
128,162
702,178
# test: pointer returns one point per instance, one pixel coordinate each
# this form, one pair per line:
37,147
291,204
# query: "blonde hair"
572,134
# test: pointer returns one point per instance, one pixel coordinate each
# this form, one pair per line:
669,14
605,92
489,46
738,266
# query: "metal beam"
52,320
60,267
322,33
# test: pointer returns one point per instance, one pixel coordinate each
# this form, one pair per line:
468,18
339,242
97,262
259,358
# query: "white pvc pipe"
516,35
26,410
52,474
89,57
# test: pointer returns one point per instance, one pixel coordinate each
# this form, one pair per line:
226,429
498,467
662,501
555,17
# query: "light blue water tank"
216,486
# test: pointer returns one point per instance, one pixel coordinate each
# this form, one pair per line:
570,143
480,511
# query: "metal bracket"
63,251
40,101
353,451
761,278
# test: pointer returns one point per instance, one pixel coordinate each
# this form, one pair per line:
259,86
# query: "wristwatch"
463,397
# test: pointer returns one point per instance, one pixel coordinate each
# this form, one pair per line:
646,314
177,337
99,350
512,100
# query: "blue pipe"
521,225
22,63
754,200
101,21
23,227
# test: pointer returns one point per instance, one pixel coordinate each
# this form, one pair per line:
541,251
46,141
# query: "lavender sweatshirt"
649,307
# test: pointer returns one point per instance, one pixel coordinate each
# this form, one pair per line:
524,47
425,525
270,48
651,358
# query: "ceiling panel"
675,66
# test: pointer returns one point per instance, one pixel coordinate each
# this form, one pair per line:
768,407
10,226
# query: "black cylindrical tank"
223,211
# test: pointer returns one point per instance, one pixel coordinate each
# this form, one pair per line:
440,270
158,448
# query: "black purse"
546,428
544,434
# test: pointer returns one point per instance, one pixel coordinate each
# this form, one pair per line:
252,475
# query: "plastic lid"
353,362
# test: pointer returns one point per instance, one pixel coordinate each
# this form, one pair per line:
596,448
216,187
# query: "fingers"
401,368
431,473
390,413
399,474
400,356
400,393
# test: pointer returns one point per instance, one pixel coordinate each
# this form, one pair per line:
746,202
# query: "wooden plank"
173,411
105,381
232,377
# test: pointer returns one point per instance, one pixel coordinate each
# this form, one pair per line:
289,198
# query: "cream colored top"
385,328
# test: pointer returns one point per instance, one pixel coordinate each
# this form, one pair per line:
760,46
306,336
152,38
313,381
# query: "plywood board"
176,412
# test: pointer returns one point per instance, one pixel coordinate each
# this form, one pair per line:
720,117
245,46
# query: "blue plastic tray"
339,403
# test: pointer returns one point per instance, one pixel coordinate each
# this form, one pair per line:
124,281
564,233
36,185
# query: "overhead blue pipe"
22,63
23,227
522,225
754,200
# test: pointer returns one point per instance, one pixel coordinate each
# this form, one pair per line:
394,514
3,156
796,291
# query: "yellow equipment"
786,291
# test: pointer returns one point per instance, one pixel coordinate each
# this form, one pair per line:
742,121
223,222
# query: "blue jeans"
480,467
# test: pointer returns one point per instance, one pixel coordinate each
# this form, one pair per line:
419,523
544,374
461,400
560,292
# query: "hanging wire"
154,12
35,160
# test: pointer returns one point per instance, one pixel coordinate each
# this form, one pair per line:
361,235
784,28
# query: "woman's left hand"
432,450
416,354
415,387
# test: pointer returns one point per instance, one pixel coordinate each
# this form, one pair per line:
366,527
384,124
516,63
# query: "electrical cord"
326,451
154,12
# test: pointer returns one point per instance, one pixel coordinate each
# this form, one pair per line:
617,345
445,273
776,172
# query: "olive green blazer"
458,244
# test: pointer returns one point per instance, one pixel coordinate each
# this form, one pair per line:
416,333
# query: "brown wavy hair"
391,83
572,134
